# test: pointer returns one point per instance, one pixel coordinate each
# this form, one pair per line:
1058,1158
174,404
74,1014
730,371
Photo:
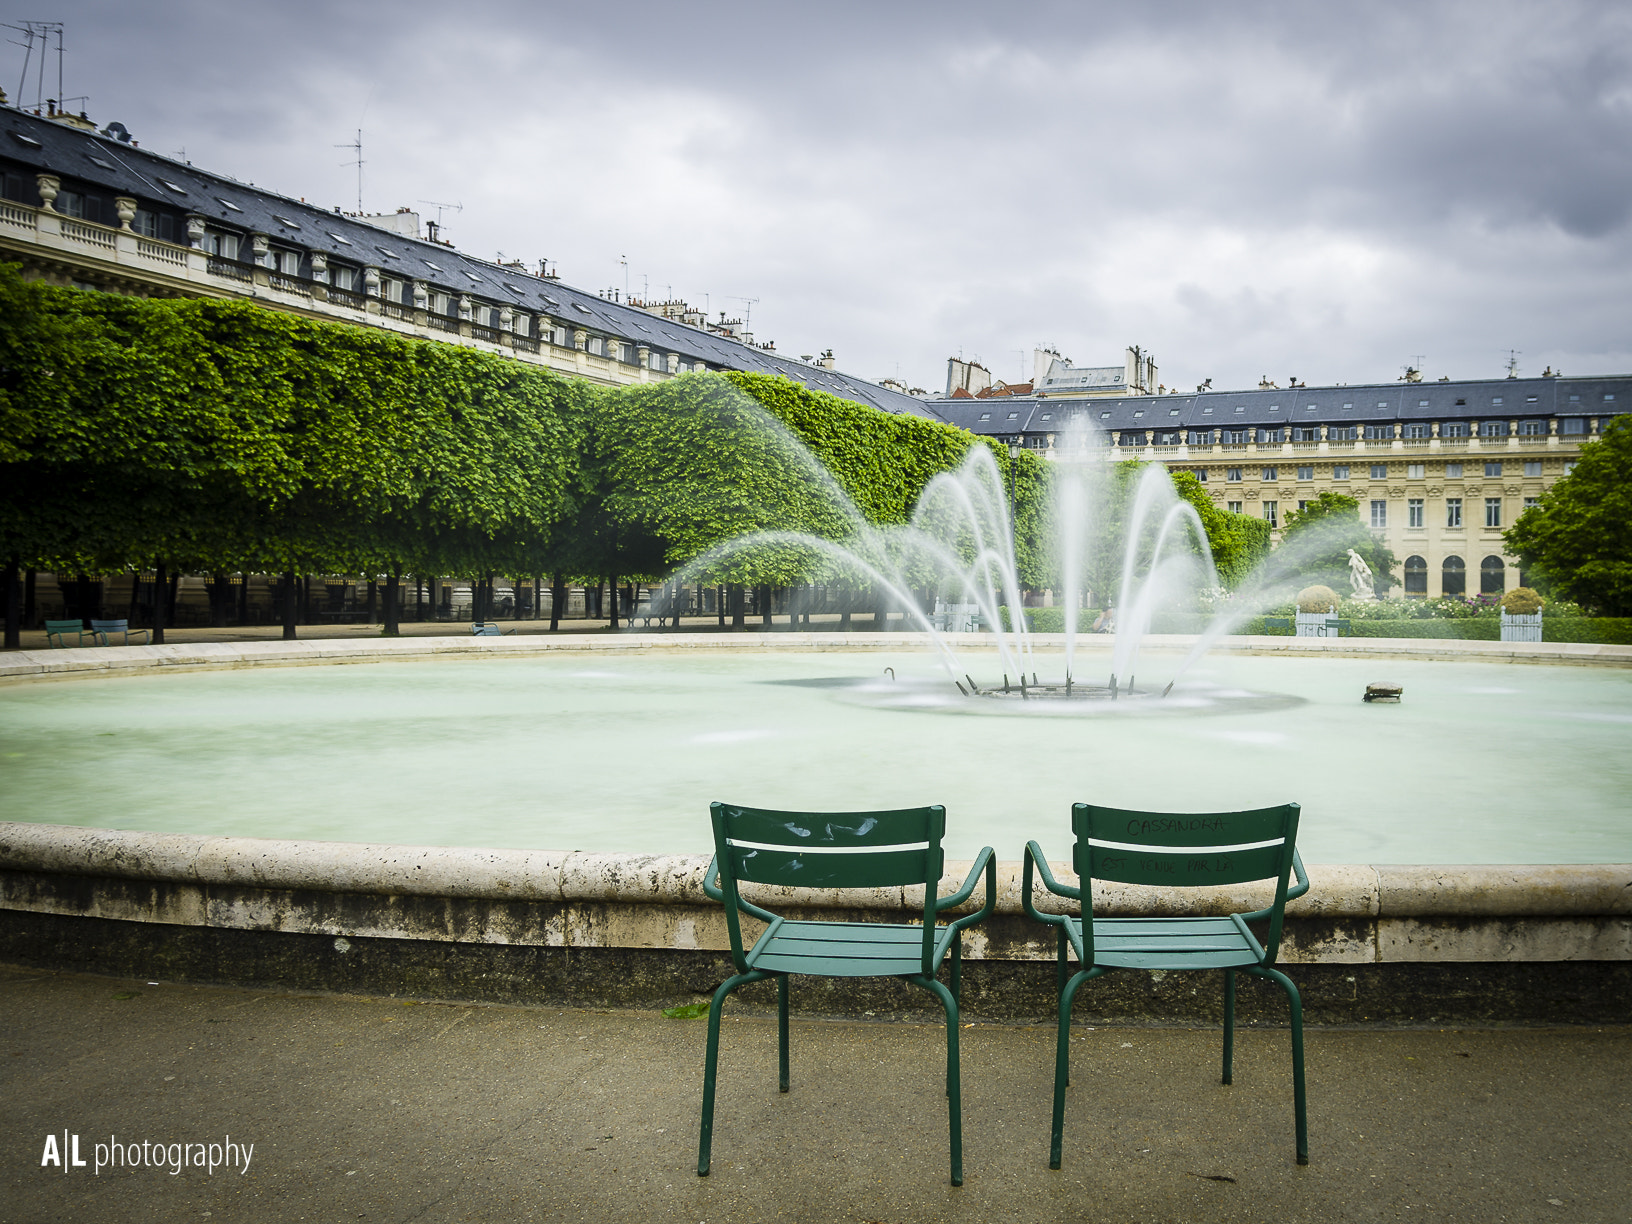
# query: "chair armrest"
1292,894
985,861
717,893
1034,857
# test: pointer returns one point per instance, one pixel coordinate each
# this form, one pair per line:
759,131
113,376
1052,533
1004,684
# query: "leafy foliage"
1580,535
1319,538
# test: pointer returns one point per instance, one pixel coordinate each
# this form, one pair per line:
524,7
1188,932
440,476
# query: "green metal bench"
487,629
106,629
1183,850
57,631
1278,622
839,850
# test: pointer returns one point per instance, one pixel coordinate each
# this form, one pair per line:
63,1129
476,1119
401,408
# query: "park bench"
57,631
106,629
487,629
1278,622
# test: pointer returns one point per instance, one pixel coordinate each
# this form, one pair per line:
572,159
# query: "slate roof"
43,145
1470,400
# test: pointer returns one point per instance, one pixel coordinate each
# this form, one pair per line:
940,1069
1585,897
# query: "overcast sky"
1243,189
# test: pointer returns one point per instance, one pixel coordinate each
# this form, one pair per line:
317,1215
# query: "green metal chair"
839,850
1174,850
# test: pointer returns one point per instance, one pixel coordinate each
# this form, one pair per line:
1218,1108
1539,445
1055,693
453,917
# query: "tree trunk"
135,595
737,595
243,599
558,598
881,610
373,596
30,585
14,606
719,603
612,583
290,590
764,593
392,582
160,583
306,600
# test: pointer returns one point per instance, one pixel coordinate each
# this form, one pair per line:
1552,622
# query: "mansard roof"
45,146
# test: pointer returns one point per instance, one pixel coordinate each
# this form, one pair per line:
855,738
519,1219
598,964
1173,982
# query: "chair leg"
1229,1024
1299,1105
1062,1062
957,968
954,1088
705,1139
782,1032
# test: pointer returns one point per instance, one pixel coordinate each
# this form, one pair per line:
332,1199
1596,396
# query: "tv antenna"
1512,363
357,147
748,305
37,34
435,227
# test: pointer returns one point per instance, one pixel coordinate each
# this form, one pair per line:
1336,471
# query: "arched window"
1416,576
1453,577
1492,576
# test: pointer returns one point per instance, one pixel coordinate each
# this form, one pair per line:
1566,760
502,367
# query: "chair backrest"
64,626
1186,850
487,629
827,850
110,626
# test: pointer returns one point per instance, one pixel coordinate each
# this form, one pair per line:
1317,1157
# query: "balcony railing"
90,235
291,284
162,252
524,344
490,334
442,323
396,310
231,269
345,297
18,214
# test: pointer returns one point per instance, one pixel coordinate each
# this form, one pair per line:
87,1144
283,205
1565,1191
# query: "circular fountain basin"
1480,763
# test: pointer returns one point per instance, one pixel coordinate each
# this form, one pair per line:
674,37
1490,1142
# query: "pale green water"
1479,764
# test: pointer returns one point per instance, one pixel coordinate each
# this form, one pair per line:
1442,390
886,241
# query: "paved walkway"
378,1110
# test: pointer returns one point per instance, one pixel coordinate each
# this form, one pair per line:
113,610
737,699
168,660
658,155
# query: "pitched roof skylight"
339,239
26,140
181,190
283,221
227,204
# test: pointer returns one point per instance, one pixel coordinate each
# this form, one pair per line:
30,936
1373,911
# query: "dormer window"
985,416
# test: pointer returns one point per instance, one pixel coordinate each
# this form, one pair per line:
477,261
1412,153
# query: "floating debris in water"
1383,692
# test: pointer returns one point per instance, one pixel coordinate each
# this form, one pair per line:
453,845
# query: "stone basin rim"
107,662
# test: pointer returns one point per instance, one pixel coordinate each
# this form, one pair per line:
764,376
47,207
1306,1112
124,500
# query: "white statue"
1360,577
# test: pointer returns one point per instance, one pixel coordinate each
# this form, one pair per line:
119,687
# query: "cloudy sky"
1243,189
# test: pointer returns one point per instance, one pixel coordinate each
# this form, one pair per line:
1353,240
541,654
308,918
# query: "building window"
1270,473
1532,429
1271,512
1414,513
1233,507
1453,577
1493,429
1418,431
1235,437
1493,469
1340,433
1232,474
1379,471
1201,474
1573,425
1306,433
1302,506
985,416
1492,576
1375,432
1271,435
1416,576
222,246
1454,429
1496,401
1340,471
1306,472
1532,467
1201,437
1413,471
1453,470
1569,466
1379,513
1493,512
1528,502
1453,512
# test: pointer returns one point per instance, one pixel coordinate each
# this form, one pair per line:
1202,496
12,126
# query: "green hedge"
1597,630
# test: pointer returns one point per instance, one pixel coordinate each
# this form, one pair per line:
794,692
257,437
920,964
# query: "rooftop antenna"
436,226
748,309
357,147
1512,363
37,32
624,260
